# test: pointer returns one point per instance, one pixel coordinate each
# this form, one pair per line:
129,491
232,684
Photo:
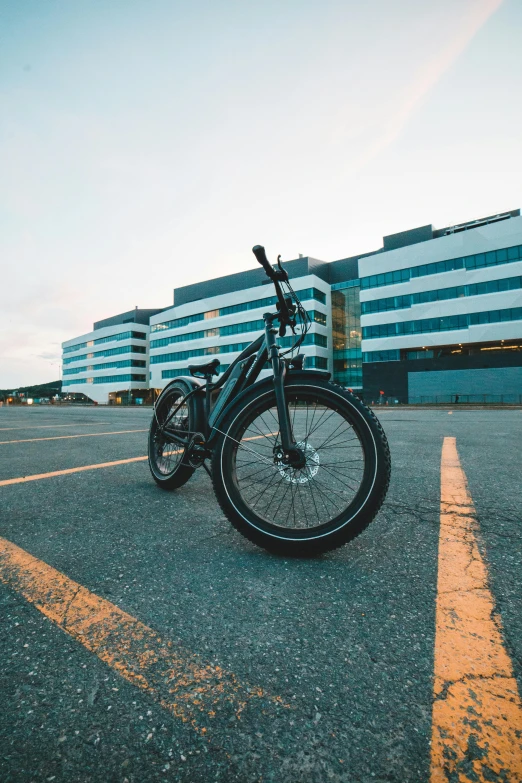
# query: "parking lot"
144,639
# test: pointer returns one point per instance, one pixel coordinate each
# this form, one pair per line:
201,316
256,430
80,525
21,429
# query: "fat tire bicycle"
299,465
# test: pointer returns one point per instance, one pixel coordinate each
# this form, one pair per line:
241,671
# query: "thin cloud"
430,74
54,357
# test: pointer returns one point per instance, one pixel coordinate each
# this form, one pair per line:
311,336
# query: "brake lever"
283,274
280,274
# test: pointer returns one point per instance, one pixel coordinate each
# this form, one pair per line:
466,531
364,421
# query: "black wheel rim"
299,500
167,454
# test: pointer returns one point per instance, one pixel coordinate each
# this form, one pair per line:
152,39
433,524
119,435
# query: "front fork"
292,454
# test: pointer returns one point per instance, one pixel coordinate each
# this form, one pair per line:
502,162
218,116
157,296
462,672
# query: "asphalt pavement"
334,655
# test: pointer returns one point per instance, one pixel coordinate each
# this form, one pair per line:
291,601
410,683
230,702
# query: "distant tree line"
38,390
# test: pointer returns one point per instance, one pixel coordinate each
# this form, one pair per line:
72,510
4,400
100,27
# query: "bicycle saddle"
208,369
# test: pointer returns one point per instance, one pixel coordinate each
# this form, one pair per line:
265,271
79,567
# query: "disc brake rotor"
301,475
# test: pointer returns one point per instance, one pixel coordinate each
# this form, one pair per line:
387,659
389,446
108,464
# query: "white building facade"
110,364
441,317
432,316
206,324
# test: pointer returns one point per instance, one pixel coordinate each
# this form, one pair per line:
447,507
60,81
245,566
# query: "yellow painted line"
63,437
477,711
265,435
53,426
38,476
189,688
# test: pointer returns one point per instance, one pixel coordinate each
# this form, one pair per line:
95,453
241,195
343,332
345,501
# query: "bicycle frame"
321,470
241,374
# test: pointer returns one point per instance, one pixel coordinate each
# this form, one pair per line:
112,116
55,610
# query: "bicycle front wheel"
316,507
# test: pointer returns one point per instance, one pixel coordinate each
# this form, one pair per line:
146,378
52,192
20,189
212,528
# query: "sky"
148,144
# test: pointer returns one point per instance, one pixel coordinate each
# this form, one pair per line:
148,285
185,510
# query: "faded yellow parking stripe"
189,688
64,437
53,426
38,476
477,711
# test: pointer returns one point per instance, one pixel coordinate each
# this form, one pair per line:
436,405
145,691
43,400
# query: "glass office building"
431,315
441,314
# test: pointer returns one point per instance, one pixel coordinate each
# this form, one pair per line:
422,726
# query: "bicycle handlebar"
285,307
260,254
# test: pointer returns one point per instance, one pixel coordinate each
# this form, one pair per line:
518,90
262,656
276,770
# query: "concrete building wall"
490,384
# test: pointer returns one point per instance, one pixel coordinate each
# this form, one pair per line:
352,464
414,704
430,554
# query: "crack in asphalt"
392,505
470,678
69,604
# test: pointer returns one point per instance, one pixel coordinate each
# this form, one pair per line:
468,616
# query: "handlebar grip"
260,254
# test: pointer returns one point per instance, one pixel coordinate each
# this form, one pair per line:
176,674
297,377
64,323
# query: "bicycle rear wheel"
167,459
321,505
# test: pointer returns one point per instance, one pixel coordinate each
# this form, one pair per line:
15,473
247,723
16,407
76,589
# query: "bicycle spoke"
324,494
260,494
264,469
167,453
326,482
342,481
332,434
319,422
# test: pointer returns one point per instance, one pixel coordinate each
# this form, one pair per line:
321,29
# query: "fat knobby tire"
182,472
362,510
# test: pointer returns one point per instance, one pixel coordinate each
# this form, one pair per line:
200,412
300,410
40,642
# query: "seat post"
208,378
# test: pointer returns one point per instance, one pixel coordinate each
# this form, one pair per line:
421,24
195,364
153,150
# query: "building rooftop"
136,316
299,267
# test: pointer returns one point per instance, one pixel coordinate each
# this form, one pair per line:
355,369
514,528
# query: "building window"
247,326
346,335
424,354
76,347
440,294
210,351
507,255
318,317
177,323
119,379
284,342
446,323
319,362
381,356
120,336
108,352
310,339
267,301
